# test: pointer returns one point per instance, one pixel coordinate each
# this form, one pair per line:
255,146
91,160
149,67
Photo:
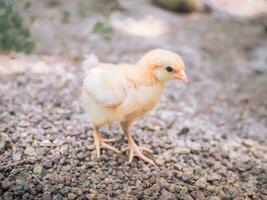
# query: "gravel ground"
208,137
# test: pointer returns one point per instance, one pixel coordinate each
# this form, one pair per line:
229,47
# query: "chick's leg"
101,142
134,150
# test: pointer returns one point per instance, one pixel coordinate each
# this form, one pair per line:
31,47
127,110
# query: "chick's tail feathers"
89,62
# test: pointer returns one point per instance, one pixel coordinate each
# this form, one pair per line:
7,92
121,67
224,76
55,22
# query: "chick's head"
164,65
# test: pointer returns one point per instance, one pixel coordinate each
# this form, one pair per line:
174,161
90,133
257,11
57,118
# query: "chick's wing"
105,86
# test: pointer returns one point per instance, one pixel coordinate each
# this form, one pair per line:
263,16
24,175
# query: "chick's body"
125,92
112,93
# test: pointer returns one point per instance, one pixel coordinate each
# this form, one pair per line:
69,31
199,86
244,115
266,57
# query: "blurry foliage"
105,7
177,5
65,16
103,28
14,35
53,3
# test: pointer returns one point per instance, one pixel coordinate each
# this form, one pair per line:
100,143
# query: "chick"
124,92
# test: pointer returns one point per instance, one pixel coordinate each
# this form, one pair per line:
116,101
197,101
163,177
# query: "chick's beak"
182,76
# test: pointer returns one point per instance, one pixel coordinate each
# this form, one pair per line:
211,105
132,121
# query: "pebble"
245,166
201,183
159,161
81,156
2,176
16,156
166,195
38,170
91,147
184,131
30,151
47,163
200,195
64,190
187,197
46,143
72,196
182,150
32,189
264,191
163,183
46,195
64,149
213,177
58,197
194,147
5,184
214,198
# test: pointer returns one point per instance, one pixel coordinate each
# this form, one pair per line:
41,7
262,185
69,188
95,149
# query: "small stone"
245,166
32,189
214,198
46,195
16,156
2,145
81,156
194,147
167,155
47,163
201,183
264,191
58,197
186,177
64,190
90,164
166,195
46,143
200,195
1,176
210,188
38,170
64,150
5,184
213,177
22,180
30,151
72,196
248,143
91,147
237,198
187,197
188,171
163,183
159,161
23,124
182,150
183,131
91,196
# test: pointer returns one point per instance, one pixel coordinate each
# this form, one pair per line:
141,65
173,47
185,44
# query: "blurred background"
207,135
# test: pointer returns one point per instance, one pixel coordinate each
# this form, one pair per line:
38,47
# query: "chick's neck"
144,74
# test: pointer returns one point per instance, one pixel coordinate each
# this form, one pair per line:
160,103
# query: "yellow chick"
123,93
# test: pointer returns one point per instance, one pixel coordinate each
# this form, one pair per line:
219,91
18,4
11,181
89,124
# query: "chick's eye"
169,69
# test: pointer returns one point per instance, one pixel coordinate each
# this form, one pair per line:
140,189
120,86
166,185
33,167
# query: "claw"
135,150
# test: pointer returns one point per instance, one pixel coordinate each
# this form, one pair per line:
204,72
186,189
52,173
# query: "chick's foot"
135,150
102,143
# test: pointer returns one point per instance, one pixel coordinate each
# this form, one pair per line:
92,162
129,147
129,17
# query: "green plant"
65,16
14,35
103,28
